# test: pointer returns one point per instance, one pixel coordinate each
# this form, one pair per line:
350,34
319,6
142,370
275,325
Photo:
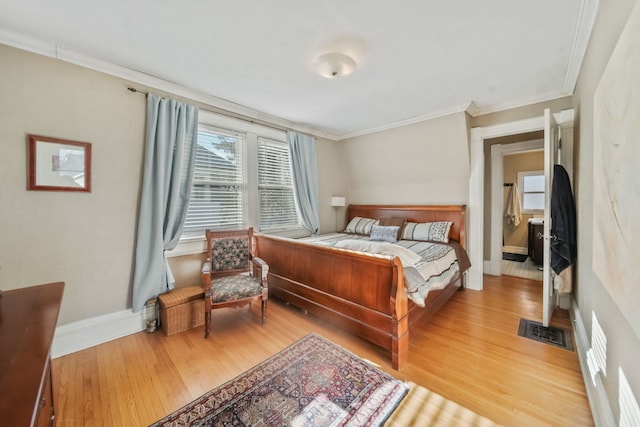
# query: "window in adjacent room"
532,188
218,193
277,209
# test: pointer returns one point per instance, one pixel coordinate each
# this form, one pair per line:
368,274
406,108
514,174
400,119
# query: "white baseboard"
596,393
474,279
515,250
87,333
493,268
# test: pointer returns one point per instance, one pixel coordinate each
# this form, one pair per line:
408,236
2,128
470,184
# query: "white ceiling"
416,58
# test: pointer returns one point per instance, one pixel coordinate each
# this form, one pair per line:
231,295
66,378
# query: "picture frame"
56,164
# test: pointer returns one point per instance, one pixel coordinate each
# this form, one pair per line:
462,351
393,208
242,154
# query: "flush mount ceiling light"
335,64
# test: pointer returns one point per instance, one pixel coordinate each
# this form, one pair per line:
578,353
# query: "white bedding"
407,256
427,265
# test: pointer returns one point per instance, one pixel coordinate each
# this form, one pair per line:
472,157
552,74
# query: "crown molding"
582,33
28,43
61,53
468,107
584,25
494,108
472,109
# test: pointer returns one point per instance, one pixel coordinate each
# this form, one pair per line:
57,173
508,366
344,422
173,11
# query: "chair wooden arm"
263,267
206,276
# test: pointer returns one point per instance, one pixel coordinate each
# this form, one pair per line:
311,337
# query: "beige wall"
87,239
426,162
332,181
186,269
512,164
83,239
623,344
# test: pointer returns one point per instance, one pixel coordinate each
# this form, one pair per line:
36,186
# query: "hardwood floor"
469,352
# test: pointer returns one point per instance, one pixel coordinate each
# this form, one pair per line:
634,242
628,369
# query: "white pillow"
427,231
384,233
407,256
360,225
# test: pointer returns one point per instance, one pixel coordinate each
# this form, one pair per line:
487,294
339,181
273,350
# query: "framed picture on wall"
58,165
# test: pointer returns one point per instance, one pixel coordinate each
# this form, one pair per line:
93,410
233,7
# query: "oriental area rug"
313,382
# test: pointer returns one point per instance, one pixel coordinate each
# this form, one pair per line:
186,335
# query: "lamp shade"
337,201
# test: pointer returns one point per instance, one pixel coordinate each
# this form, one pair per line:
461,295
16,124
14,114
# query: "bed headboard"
416,213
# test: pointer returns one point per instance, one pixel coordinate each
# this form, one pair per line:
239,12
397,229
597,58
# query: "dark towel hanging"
563,224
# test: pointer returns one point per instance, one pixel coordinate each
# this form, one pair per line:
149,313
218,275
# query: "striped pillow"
427,231
359,225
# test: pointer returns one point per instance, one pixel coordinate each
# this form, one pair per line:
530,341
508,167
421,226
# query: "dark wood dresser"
28,318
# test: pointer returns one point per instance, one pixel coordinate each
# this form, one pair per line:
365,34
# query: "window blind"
217,195
275,186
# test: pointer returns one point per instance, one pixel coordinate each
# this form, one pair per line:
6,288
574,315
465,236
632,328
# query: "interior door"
551,137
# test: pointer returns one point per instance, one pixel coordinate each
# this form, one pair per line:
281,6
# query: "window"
275,187
242,178
532,188
218,196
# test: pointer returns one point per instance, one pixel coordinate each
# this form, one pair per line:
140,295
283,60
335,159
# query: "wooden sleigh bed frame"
362,294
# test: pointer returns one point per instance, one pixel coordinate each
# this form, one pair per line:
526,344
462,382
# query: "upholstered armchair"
231,275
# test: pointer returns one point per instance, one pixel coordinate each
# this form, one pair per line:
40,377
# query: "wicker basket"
181,309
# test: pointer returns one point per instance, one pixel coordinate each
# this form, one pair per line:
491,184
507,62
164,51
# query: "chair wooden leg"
264,311
207,323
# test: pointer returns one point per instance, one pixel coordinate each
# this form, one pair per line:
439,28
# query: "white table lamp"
337,202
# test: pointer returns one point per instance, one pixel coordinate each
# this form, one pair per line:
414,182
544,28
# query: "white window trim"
521,176
190,245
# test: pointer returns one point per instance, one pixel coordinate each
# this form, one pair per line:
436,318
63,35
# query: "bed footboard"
362,294
359,293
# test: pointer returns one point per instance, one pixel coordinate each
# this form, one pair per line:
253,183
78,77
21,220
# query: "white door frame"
476,189
551,147
475,211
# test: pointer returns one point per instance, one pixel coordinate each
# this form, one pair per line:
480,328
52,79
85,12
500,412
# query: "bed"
359,292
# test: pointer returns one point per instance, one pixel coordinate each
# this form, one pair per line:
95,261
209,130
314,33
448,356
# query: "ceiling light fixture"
335,64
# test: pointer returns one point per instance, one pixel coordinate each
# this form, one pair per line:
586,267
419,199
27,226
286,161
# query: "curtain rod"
226,113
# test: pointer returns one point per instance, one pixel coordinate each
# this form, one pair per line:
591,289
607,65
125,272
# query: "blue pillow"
384,233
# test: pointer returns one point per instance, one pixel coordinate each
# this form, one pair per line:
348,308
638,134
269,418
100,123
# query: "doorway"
522,212
481,223
513,160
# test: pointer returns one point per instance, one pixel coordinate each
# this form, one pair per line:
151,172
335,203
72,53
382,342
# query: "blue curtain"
170,147
302,149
